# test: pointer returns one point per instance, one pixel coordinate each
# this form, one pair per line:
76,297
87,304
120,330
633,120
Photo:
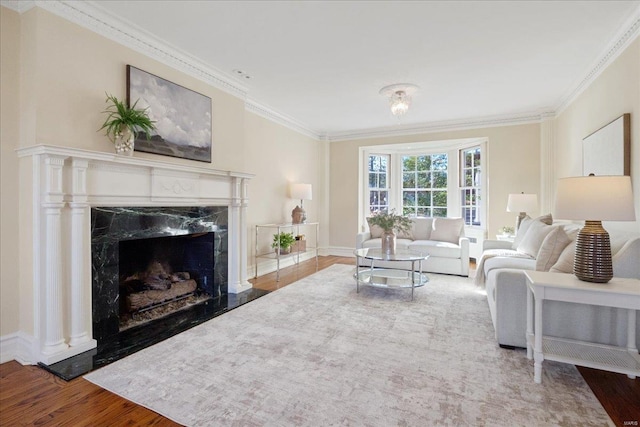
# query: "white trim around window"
396,151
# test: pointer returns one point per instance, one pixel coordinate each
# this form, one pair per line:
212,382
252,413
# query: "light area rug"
317,353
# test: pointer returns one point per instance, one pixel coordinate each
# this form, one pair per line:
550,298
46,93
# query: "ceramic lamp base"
593,254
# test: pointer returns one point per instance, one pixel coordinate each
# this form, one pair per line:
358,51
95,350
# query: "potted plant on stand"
123,122
282,242
390,223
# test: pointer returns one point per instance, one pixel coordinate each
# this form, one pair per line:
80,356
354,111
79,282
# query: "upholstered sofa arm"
496,244
361,238
464,256
510,296
464,247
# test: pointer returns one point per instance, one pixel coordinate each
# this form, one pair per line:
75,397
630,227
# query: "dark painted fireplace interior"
125,240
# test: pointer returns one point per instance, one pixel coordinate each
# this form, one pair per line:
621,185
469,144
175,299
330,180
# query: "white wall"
9,137
54,78
513,154
279,156
615,92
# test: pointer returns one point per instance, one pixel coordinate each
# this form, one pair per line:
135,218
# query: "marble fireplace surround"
65,184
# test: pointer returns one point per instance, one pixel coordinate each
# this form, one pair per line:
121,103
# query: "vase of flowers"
390,224
123,122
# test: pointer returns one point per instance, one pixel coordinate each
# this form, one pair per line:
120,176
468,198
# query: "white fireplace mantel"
66,183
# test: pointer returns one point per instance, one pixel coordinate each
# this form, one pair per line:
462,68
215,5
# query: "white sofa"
506,289
442,238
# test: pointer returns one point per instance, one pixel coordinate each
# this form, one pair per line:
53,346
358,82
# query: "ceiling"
321,64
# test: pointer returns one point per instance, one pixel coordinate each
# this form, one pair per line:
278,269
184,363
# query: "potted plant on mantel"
123,122
390,223
282,242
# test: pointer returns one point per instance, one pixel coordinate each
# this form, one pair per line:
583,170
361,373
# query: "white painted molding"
448,125
16,346
628,32
341,251
269,113
60,214
266,266
90,15
20,6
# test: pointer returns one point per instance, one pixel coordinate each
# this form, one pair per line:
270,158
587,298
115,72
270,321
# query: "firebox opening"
161,275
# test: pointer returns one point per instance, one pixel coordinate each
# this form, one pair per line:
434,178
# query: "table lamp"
522,203
594,199
302,192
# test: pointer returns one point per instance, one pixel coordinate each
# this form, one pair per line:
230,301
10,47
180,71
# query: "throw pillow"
376,231
447,230
551,248
421,228
534,237
524,226
565,261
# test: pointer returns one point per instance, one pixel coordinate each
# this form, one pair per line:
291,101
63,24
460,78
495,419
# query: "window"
378,183
470,185
430,178
424,185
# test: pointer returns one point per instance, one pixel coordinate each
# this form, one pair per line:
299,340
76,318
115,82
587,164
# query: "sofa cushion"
565,261
421,228
551,248
524,227
377,243
447,229
522,262
436,249
376,231
534,237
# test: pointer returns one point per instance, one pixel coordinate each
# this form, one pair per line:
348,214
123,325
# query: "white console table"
619,292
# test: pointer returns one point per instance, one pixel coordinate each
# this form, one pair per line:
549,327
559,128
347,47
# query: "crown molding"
628,32
90,15
269,113
20,6
441,126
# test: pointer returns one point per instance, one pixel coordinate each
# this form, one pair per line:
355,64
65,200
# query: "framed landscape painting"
607,151
182,117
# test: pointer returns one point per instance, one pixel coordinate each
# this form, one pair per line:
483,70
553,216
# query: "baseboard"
16,346
266,266
269,265
341,251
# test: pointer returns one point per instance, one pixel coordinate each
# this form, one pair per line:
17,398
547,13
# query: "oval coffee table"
390,277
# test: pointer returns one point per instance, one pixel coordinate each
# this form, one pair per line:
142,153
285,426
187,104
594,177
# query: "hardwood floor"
31,396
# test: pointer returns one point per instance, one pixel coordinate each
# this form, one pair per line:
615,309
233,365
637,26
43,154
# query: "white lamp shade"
595,198
300,191
522,203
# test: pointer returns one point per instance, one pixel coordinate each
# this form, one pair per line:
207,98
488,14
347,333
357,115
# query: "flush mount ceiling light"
399,97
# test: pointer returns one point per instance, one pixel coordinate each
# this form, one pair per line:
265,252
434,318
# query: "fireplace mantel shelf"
65,184
54,150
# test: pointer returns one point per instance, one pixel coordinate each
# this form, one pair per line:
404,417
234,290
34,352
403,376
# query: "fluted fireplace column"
79,260
53,341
